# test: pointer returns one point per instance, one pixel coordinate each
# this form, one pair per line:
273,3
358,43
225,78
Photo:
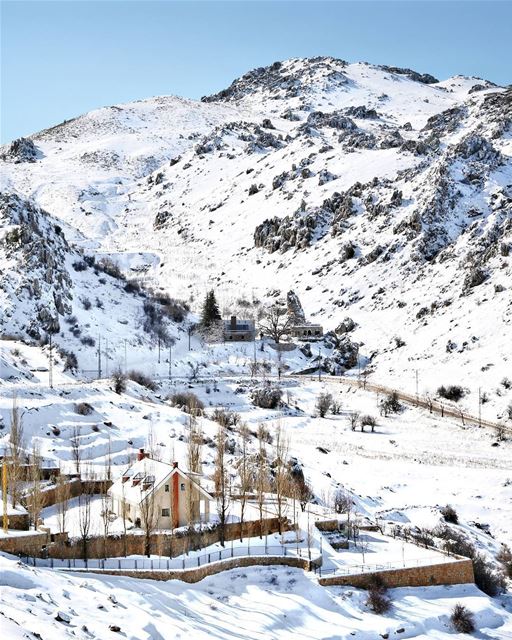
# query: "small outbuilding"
236,330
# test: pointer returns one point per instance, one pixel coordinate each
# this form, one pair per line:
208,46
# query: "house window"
165,513
182,486
166,488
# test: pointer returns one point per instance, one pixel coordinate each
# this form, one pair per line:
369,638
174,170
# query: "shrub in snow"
474,278
378,599
253,189
142,379
80,265
391,404
506,382
69,359
462,619
88,341
505,557
267,397
335,407
452,392
119,381
369,421
187,401
109,267
487,578
509,411
86,303
83,409
347,251
353,418
225,417
449,514
342,501
323,404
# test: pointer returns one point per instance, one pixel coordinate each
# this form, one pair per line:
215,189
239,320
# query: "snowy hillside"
258,603
374,192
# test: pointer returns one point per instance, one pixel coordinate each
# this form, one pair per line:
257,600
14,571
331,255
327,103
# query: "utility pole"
50,368
170,359
125,358
99,356
319,365
106,358
479,406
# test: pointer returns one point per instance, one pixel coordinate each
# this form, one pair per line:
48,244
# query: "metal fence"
171,564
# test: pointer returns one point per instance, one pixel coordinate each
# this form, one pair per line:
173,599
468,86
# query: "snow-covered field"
256,603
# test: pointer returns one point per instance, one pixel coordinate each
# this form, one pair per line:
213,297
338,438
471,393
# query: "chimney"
141,455
233,323
174,465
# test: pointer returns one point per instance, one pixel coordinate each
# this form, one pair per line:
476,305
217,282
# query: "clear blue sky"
61,59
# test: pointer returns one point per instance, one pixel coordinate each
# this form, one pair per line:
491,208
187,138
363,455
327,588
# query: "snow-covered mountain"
374,192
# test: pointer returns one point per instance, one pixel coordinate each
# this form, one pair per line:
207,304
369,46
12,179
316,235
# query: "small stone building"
236,330
306,331
176,497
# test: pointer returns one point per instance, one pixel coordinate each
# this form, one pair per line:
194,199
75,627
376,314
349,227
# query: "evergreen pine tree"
210,313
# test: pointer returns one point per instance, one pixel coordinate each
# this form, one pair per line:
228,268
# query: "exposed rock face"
295,310
281,234
345,326
424,78
20,150
282,80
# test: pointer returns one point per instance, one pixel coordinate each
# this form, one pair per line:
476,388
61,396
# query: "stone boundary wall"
195,575
454,572
43,545
19,521
18,543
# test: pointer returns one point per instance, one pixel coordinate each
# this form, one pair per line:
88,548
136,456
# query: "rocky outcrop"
295,310
20,150
282,234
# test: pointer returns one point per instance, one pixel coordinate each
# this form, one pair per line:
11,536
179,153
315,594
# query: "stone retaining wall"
195,575
39,545
454,572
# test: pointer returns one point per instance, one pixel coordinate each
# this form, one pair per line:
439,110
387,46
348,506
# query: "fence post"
135,563
183,563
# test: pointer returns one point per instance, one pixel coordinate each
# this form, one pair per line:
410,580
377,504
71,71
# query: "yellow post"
4,496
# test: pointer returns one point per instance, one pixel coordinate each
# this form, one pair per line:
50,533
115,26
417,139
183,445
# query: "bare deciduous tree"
281,474
244,473
76,447
106,499
275,322
62,495
194,448
221,478
35,499
84,513
148,518
262,476
353,418
16,454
